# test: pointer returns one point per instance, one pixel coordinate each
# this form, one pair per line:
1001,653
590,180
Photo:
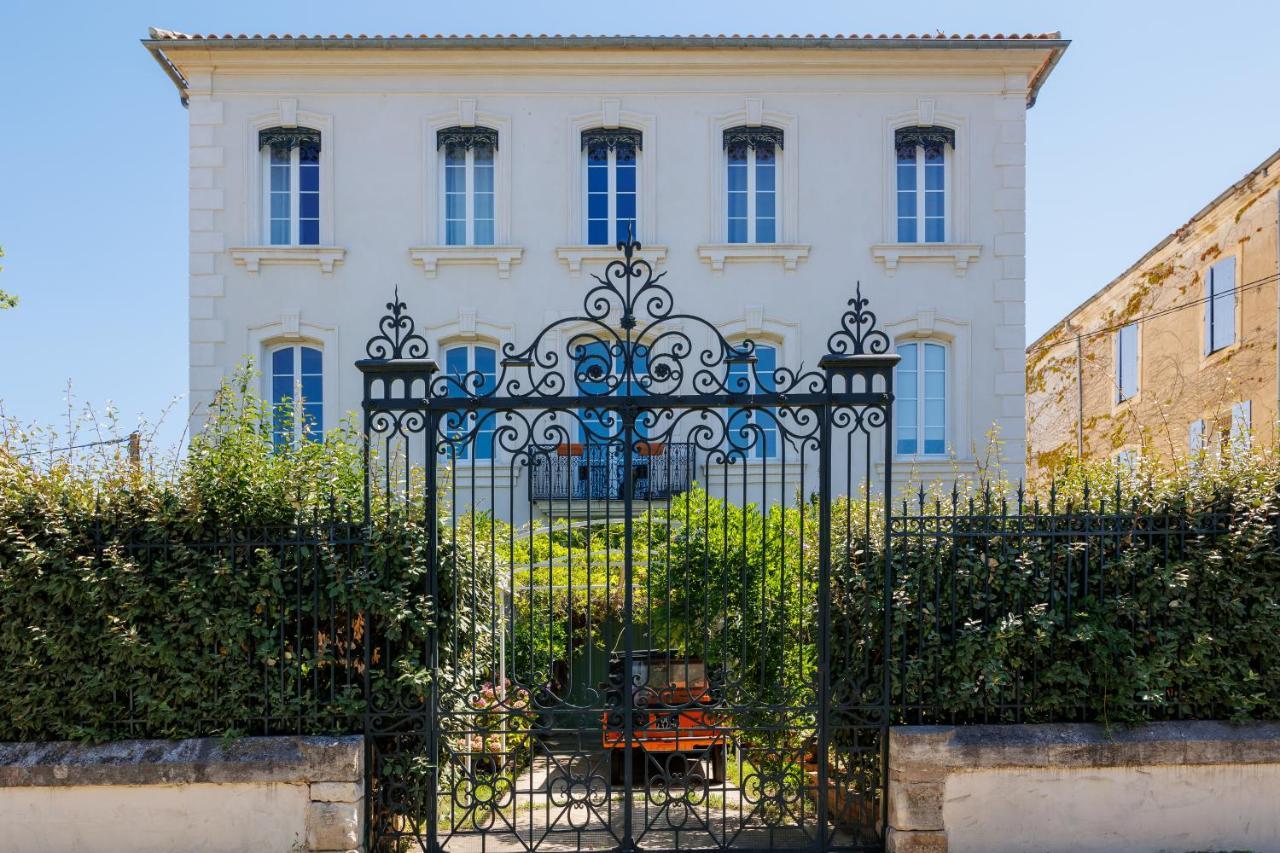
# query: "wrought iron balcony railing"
579,472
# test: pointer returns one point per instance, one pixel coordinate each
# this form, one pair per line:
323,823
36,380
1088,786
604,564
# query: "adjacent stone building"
1176,355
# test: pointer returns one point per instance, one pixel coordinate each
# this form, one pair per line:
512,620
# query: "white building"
487,177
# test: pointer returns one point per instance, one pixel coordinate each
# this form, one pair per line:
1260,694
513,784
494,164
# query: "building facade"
489,177
1177,355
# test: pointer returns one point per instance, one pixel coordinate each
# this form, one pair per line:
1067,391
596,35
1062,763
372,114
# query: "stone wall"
286,794
1162,787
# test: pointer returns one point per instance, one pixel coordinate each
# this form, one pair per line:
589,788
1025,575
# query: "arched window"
920,387
297,394
751,181
475,369
754,432
467,200
291,188
922,183
611,160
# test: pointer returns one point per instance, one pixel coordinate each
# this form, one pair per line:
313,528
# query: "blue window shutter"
1208,311
1224,284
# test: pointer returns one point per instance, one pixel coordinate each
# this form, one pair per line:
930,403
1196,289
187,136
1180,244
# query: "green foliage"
241,594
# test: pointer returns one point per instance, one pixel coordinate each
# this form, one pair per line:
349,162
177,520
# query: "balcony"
597,472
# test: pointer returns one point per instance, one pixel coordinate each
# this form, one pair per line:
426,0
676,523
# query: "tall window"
1126,362
754,431
922,183
611,158
467,160
1220,305
472,370
920,399
291,188
297,395
751,182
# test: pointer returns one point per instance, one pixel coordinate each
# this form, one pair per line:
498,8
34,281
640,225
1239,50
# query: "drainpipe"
1080,398
1275,422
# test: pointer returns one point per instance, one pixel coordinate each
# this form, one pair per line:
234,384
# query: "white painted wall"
378,111
1114,809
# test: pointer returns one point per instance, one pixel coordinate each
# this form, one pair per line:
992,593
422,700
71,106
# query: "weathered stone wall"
1177,382
1161,787
286,794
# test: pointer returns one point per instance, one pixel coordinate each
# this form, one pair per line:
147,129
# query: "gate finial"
858,334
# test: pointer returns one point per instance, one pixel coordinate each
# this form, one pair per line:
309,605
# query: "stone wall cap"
258,760
916,748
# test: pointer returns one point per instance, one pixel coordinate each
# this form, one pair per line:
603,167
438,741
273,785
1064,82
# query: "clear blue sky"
1155,109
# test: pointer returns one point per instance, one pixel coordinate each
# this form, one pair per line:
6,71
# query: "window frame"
920,399
469,193
483,416
298,430
1212,295
763,449
752,191
266,168
611,194
921,192
1119,354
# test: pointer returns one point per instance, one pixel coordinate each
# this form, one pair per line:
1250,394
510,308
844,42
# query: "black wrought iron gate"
651,559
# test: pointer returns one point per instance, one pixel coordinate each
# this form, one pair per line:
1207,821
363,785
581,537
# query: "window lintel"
752,137
288,137
467,137
913,136
611,137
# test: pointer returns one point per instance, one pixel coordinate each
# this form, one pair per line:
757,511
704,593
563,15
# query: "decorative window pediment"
753,136
924,137
289,138
467,137
611,138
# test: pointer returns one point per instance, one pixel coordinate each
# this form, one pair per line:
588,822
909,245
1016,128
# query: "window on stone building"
611,161
467,157
297,394
920,399
1220,305
754,432
291,189
922,182
1126,362
472,370
751,181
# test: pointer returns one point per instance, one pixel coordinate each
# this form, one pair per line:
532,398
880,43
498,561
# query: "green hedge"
239,593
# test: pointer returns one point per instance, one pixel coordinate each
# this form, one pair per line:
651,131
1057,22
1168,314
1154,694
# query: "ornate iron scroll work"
611,137
289,137
466,137
397,337
753,136
622,407
932,136
858,334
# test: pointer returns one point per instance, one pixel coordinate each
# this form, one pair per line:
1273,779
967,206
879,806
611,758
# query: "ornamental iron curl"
467,137
396,338
628,341
753,136
858,334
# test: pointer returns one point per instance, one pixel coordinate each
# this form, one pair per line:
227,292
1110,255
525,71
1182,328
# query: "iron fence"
1047,590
